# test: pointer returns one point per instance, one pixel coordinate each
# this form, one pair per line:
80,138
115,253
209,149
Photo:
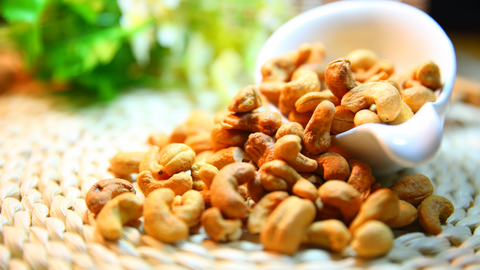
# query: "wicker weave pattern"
51,154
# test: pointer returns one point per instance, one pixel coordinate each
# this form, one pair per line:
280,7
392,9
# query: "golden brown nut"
288,148
361,177
372,239
105,190
260,213
271,90
433,211
176,158
362,59
329,234
219,229
305,190
366,116
342,196
278,175
190,207
408,214
428,74
301,118
125,163
404,115
199,142
332,166
260,148
339,77
290,128
317,133
227,156
310,101
221,138
415,97
343,120
246,100
179,183
266,122
413,189
303,81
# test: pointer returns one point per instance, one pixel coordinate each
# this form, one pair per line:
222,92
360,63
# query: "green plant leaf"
15,11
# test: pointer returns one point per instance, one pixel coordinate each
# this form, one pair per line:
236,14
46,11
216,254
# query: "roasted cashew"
405,114
246,100
413,189
255,188
204,172
227,156
160,222
408,214
428,74
260,213
417,96
381,66
303,81
386,96
339,77
361,177
179,183
317,133
281,68
150,162
159,139
343,196
285,227
224,194
362,59
221,138
330,234
288,148
266,121
219,229
310,101
290,128
125,163
301,118
343,120
199,142
105,190
433,211
305,189
366,116
120,210
271,90
175,158
278,175
372,239
383,205
332,166
190,208
260,148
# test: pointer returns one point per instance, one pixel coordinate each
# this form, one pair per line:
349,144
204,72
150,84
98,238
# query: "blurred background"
99,48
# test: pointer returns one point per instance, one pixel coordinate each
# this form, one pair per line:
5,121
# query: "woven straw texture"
51,153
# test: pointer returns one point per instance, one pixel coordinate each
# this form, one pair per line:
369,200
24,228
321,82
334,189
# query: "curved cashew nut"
281,68
339,77
150,162
381,66
227,156
405,114
288,148
343,196
382,205
125,163
372,239
343,120
255,188
428,74
290,128
362,59
305,189
415,97
285,227
160,222
332,166
310,101
433,211
117,212
266,122
366,116
260,213
271,90
175,158
329,234
223,138
408,214
246,100
386,96
278,175
219,229
413,189
105,190
224,194
260,148
317,133
179,183
303,81
190,208
361,177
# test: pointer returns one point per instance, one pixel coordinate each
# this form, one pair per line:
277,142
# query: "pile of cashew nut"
245,171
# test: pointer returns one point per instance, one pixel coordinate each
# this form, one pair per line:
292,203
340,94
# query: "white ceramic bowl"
401,33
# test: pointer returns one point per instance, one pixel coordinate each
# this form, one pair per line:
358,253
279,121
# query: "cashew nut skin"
361,177
408,214
120,210
372,239
263,209
160,222
433,211
179,183
260,148
330,234
413,189
317,133
386,96
343,196
383,205
105,190
191,208
246,100
224,194
339,77
332,166
285,227
125,163
219,229
288,148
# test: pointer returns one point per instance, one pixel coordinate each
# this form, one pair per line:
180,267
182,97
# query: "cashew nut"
332,166
343,120
301,118
224,194
227,156
303,81
175,158
260,213
204,172
190,208
223,138
310,101
383,205
199,142
255,188
125,163
428,74
305,189
285,227
361,177
417,96
343,196
405,114
179,183
281,68
219,229
104,190
413,189
150,162
433,211
329,234
381,66
160,222
386,97
278,175
339,77
266,121
120,210
408,214
366,116
246,100
271,90
260,148
317,133
159,139
290,128
372,239
362,59
288,148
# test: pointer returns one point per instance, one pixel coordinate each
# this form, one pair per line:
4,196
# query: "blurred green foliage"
105,46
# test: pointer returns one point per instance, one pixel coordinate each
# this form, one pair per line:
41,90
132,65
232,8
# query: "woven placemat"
52,152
